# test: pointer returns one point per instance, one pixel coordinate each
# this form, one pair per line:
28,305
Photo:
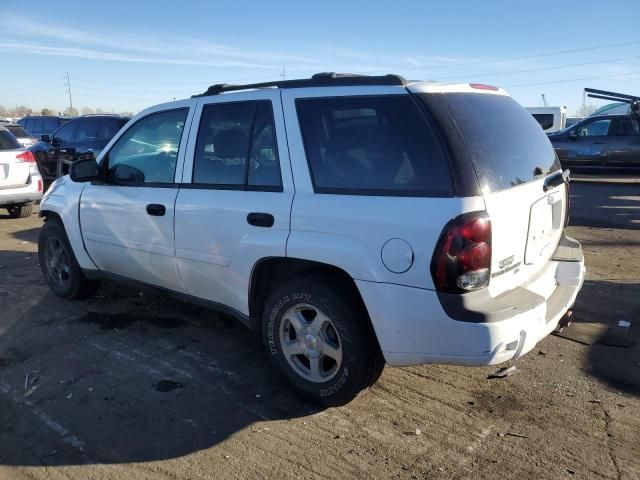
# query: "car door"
590,142
56,150
127,219
85,140
234,203
624,143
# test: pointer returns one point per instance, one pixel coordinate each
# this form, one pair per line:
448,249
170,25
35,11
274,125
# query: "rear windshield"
18,131
8,141
372,145
505,143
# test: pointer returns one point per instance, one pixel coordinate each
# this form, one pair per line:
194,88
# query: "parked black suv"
600,142
81,137
42,125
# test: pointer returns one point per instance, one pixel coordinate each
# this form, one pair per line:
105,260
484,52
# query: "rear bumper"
413,327
15,196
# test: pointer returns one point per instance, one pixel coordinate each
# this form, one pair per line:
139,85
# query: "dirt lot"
130,385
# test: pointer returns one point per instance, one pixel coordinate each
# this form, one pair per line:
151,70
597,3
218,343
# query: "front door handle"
258,219
156,209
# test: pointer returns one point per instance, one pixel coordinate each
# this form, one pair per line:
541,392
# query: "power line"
510,72
507,59
629,74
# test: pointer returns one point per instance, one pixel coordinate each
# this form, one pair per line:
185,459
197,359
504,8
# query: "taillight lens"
462,259
26,157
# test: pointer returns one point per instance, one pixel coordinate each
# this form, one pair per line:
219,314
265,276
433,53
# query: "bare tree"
71,112
87,111
586,110
47,111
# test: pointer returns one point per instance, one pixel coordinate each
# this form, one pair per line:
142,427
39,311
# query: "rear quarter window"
8,141
372,145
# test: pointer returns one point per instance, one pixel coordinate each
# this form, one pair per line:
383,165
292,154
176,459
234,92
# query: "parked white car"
20,180
352,220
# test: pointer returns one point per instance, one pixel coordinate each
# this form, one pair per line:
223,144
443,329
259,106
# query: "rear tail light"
462,259
39,185
26,157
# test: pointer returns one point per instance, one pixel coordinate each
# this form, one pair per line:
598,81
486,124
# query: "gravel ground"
133,385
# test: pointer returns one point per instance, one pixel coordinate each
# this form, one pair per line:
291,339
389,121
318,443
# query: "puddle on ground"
167,385
110,321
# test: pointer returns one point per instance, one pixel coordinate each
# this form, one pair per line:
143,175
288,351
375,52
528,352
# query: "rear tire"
20,211
321,341
59,265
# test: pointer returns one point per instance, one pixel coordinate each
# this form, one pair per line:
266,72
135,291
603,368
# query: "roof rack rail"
324,79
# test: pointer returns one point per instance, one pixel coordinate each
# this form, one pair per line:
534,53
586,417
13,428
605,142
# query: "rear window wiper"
556,180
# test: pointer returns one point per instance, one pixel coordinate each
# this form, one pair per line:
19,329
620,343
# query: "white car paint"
559,115
20,182
205,248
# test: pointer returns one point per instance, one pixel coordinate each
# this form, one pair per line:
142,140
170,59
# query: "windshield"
8,141
504,142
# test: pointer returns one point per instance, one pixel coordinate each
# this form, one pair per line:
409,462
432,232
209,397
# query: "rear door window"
622,127
236,147
372,145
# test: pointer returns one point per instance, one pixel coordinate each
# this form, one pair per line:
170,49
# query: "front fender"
63,199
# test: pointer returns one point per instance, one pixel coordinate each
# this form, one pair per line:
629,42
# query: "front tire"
59,265
20,211
321,341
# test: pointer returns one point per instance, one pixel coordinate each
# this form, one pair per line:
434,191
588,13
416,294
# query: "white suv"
20,180
352,220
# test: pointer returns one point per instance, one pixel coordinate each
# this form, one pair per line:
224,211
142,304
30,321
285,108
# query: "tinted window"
622,127
37,125
8,141
49,124
65,133
599,128
504,142
230,134
544,119
148,151
87,130
18,131
379,145
108,127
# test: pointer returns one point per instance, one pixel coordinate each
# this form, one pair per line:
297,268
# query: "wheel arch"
270,272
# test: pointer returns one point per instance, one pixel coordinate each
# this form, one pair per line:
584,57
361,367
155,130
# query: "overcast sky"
129,55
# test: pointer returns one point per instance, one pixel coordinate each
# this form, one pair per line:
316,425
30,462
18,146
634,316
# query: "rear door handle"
258,219
156,209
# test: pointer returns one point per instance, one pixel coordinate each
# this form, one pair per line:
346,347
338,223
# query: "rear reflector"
482,86
462,259
39,185
26,157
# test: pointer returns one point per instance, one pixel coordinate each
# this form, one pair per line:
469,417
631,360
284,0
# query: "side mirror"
85,170
45,138
573,134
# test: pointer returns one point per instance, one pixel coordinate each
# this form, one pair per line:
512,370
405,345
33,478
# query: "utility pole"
544,100
283,74
69,92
